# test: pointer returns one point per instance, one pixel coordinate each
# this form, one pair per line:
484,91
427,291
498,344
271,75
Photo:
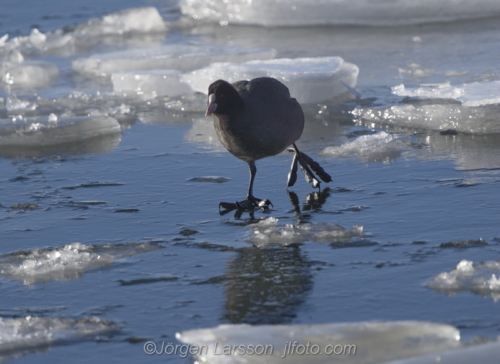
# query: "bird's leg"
250,202
306,164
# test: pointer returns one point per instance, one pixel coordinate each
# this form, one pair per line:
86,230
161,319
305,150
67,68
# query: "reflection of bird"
257,119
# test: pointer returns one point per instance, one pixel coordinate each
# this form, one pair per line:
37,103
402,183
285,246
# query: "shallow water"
157,258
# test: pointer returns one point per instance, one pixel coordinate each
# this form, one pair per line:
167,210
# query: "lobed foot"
249,204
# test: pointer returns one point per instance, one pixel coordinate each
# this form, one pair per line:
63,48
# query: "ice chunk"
442,116
380,147
270,231
363,342
46,131
181,57
29,334
67,262
149,84
308,79
486,353
480,278
469,94
316,12
135,20
28,74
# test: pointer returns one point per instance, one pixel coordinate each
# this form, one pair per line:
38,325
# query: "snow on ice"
363,342
480,278
308,79
321,12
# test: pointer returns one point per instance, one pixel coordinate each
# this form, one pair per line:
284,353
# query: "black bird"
257,119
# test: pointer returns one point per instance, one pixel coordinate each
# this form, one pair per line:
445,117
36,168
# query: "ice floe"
480,278
381,147
434,115
270,231
469,108
67,262
363,342
320,12
28,74
23,335
468,94
53,130
181,57
308,79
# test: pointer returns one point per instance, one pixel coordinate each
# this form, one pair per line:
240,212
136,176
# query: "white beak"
212,106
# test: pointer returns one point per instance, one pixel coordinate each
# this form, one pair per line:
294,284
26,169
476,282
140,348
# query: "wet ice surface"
123,162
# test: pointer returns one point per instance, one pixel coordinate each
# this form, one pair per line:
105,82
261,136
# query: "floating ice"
470,108
308,79
28,74
469,94
135,20
480,278
149,84
270,231
46,131
364,342
181,57
380,147
29,334
435,115
68,262
485,353
317,12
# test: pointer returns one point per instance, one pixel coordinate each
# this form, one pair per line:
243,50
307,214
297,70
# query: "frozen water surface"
102,142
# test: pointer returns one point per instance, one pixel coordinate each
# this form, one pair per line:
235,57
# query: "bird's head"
223,98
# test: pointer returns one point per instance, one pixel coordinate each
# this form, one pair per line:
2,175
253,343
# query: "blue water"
138,189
